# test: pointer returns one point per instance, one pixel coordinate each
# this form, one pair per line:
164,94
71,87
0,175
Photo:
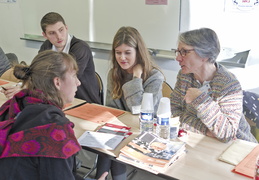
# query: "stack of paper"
115,129
242,154
237,151
95,113
247,166
152,153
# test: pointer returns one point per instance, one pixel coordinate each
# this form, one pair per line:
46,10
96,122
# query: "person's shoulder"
45,46
45,111
225,80
77,41
109,77
156,74
224,74
79,46
1,51
34,115
3,56
47,42
42,106
110,72
5,64
155,71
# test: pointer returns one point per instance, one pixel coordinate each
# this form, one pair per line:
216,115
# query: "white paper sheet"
100,140
237,151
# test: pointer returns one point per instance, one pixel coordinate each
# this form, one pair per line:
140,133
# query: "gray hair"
204,41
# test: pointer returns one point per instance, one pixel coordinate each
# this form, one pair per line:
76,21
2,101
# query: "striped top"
219,111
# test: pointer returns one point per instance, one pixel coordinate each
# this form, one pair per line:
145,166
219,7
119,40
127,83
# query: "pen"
3,88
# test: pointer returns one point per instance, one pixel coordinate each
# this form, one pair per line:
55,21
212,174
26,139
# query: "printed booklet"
150,152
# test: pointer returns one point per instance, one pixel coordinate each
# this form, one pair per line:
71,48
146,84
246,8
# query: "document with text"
100,140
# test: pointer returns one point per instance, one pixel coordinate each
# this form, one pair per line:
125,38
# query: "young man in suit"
55,30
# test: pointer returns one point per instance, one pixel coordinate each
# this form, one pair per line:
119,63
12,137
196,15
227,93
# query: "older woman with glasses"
206,96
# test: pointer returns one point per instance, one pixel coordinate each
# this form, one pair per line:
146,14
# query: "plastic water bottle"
174,127
163,117
146,120
146,117
163,127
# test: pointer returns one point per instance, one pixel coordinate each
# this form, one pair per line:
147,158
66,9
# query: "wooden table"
200,162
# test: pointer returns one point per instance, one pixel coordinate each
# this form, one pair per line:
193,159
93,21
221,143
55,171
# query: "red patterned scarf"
56,140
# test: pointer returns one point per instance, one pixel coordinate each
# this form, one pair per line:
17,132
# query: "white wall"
12,29
236,28
12,23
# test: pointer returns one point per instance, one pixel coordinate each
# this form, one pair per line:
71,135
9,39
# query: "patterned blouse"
218,110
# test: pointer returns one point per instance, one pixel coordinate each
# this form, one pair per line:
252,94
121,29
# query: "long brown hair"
39,76
130,37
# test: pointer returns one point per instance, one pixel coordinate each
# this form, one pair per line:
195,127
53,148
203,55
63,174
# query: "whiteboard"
99,20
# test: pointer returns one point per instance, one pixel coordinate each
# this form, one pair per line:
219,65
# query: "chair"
91,169
8,75
12,58
166,89
251,111
23,63
101,87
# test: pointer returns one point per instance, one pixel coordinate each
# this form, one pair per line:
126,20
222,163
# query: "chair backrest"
251,111
100,87
8,75
23,63
12,58
166,89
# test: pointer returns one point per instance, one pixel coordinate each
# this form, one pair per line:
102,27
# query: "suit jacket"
89,88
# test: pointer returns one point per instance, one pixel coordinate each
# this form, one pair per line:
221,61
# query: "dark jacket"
38,168
4,62
89,88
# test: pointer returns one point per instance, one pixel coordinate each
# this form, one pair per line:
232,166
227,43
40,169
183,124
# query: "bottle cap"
147,102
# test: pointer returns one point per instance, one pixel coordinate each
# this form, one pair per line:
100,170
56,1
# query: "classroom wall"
12,28
235,27
98,20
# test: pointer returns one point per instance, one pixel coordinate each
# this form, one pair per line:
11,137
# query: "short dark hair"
51,18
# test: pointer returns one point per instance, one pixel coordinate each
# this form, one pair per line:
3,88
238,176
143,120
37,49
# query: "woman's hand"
208,133
11,91
191,94
137,71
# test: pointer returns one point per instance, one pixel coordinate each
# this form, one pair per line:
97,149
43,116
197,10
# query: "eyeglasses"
182,52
